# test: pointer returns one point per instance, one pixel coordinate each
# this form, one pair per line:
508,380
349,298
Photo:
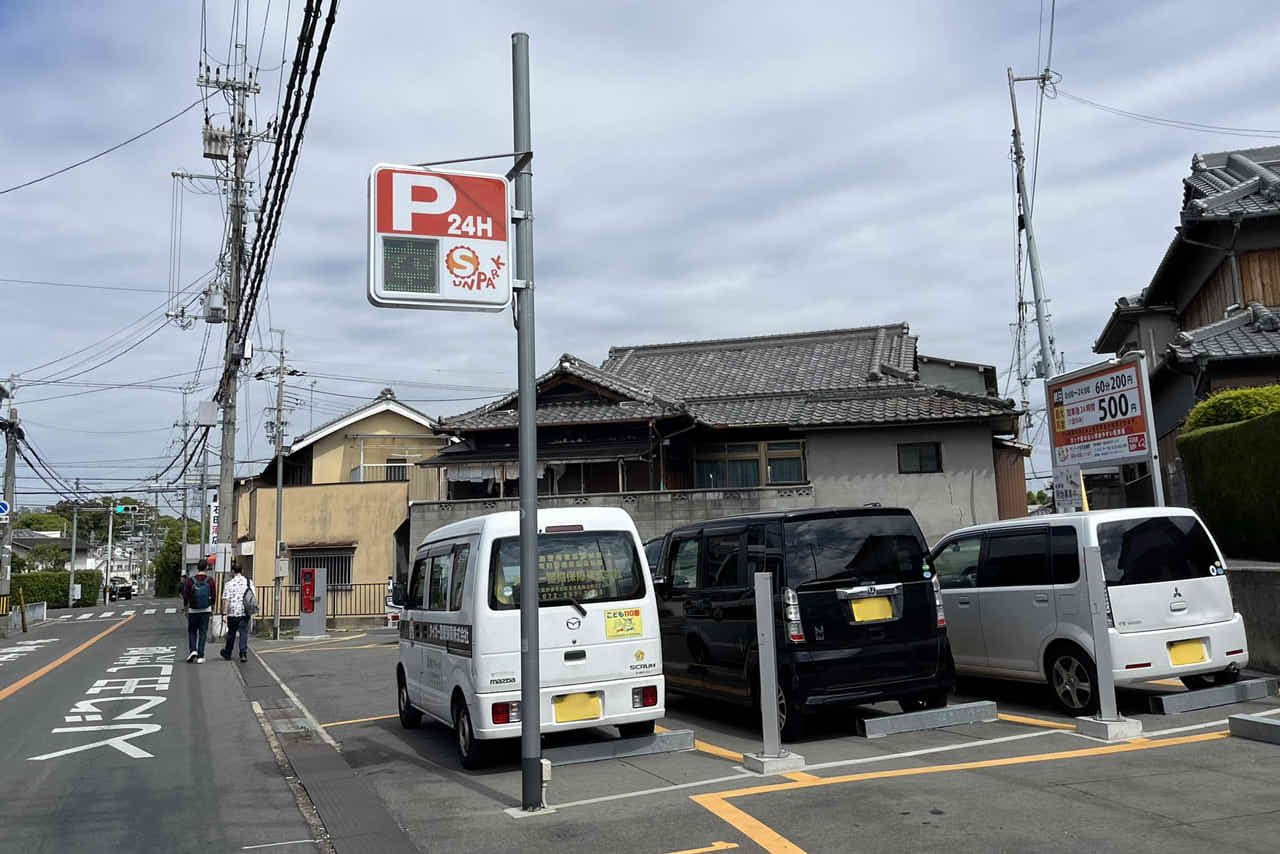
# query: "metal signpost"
771,759
453,240
1108,723
1101,417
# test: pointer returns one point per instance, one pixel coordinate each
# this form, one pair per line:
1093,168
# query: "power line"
107,151
87,287
97,432
1199,127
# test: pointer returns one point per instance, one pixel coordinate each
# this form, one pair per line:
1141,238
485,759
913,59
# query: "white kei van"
1017,602
601,655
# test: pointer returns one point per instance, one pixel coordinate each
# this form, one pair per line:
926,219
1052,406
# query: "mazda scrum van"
1017,601
858,617
600,657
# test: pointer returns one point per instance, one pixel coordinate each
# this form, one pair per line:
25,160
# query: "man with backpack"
239,603
197,601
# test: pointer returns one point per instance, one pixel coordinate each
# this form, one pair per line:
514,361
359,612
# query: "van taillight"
643,698
1106,598
937,603
791,612
506,713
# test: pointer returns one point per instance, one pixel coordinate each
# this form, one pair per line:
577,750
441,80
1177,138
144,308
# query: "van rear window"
1161,548
873,549
592,566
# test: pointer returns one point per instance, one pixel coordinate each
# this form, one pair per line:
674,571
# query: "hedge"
51,587
1237,404
1231,474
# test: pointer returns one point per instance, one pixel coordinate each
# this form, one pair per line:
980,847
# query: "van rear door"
864,597
593,616
1163,571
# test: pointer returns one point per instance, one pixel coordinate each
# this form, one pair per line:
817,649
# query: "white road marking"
106,614
127,613
66,616
119,742
171,610
276,844
149,611
84,616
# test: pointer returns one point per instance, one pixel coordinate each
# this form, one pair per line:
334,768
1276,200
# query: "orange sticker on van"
622,623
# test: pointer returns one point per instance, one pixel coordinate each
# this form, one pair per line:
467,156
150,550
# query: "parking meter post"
530,682
1108,723
768,664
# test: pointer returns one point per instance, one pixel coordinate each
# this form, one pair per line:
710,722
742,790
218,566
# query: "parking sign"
439,239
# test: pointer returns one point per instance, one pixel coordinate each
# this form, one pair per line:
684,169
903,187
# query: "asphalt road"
110,741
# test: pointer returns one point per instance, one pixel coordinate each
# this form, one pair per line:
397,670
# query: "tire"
410,718
637,729
471,751
933,700
791,718
1208,680
1073,679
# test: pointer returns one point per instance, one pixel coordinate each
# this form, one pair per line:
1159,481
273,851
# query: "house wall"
654,513
957,377
334,456
1011,482
343,514
1259,282
855,467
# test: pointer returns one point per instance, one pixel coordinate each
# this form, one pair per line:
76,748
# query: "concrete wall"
654,513
1255,589
855,467
335,455
339,515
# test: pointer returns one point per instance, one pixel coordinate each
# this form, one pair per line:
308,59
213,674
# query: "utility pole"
233,353
111,533
182,555
278,432
12,434
530,683
1048,358
75,529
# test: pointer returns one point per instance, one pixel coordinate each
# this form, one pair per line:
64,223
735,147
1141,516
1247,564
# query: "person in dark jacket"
199,592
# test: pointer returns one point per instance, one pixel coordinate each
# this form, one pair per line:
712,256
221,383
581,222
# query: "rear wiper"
582,612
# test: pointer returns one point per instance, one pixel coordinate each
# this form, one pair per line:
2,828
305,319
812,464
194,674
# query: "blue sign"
4,508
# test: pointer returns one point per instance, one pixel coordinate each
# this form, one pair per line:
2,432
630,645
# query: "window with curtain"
742,465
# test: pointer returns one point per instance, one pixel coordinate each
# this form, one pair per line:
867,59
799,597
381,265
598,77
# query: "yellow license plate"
576,707
1187,652
870,610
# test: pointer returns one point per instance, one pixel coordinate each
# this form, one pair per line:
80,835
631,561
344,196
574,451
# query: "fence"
352,600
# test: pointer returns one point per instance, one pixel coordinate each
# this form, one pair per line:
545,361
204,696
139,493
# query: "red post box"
308,590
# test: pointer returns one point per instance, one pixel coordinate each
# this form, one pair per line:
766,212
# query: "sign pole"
530,707
1157,481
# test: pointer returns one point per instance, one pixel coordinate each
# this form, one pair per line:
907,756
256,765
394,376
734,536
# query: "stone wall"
1255,590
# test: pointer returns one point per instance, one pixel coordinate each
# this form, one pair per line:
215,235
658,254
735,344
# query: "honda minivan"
600,660
858,616
1017,601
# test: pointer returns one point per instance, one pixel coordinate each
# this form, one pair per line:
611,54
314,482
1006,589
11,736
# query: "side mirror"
398,595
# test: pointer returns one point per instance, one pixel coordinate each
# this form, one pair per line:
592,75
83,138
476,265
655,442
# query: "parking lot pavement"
1023,782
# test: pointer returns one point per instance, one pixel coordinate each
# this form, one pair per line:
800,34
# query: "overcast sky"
702,170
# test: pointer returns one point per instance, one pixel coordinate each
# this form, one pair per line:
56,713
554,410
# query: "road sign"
4,508
1100,416
439,239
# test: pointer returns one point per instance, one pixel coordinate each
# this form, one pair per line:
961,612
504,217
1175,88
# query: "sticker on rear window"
622,623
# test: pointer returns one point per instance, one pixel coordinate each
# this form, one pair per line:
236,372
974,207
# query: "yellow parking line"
311,644
326,648
714,846
1172,683
801,776
1021,719
359,721
770,840
704,747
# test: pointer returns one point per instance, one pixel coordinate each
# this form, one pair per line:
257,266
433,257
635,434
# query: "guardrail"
348,600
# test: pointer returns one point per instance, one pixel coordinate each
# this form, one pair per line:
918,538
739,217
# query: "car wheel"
791,718
1074,681
410,717
636,729
470,749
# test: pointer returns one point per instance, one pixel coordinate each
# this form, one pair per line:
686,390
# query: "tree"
35,520
1041,497
46,557
1031,498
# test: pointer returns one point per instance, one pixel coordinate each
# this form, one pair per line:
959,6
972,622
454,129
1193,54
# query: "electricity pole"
182,555
75,526
233,353
12,433
278,432
1048,361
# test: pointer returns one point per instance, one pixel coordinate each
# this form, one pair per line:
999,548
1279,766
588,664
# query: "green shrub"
1237,404
1230,471
51,587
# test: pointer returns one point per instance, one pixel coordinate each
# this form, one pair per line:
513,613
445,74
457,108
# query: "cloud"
701,170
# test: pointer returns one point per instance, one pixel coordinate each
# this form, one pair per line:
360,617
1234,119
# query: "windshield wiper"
582,612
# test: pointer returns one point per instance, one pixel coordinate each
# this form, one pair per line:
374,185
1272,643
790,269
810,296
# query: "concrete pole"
111,533
279,553
1048,358
75,529
530,683
12,432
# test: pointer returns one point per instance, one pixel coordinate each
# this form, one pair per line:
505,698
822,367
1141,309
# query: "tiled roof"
837,359
1227,183
1248,334
865,375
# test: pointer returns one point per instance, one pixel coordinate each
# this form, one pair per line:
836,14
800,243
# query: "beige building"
347,487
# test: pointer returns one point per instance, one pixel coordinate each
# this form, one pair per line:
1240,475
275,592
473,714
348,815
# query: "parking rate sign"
439,239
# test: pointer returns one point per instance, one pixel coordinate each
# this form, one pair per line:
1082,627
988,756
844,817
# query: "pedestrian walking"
238,606
197,603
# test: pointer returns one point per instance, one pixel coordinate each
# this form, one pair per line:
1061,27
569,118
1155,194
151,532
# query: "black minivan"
858,612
